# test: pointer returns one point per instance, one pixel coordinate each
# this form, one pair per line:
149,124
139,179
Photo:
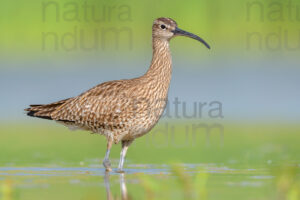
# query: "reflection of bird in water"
126,109
109,195
123,187
124,194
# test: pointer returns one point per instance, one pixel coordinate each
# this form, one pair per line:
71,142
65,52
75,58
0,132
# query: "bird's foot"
107,165
121,171
108,169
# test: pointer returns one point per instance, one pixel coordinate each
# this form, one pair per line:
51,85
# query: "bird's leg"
106,162
125,145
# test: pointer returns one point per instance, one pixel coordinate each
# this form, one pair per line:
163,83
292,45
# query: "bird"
122,110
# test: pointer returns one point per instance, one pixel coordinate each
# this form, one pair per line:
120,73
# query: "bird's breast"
147,108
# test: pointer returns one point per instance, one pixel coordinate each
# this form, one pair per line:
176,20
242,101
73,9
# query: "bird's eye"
162,26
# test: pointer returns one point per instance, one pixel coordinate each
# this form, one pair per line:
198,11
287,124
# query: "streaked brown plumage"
122,110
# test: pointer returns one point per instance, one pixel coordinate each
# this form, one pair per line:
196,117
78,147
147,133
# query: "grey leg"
106,162
125,145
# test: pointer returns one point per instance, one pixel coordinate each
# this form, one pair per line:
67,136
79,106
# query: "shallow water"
138,181
72,171
149,169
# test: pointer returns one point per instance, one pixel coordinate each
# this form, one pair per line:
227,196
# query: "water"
138,181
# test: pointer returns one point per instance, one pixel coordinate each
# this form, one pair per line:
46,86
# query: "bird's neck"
161,65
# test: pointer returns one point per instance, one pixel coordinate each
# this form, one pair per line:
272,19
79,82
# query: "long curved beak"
179,31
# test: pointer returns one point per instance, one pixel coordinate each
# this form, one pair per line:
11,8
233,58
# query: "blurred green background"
229,26
246,143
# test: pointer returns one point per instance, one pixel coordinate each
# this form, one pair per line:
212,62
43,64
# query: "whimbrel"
122,110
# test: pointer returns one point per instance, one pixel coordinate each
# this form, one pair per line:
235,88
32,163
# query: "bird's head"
166,28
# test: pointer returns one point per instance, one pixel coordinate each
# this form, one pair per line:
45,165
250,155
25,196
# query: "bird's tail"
44,111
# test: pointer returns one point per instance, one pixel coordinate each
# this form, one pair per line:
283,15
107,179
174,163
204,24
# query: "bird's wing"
105,106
